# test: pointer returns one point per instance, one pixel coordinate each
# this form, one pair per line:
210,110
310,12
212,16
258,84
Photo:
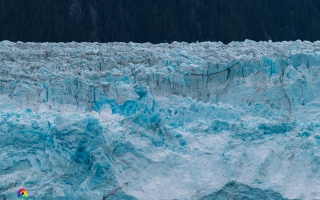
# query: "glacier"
160,121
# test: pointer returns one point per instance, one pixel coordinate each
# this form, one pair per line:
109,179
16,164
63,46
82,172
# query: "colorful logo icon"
22,193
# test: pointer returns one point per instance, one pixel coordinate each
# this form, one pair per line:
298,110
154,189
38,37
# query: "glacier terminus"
160,121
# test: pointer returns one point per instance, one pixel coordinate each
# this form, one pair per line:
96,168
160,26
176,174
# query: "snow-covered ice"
166,121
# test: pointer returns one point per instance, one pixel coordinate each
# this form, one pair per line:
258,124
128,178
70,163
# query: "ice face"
166,121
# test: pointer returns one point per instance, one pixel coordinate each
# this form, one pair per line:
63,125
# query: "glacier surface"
166,121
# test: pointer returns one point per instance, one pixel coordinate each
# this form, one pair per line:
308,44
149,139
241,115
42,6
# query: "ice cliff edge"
166,121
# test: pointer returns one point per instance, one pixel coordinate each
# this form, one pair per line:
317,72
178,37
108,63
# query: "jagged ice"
166,121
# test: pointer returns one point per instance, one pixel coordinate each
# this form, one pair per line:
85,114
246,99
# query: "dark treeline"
159,21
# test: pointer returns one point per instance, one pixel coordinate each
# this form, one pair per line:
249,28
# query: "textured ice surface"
167,121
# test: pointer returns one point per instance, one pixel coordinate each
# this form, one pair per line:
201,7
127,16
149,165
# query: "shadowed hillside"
159,21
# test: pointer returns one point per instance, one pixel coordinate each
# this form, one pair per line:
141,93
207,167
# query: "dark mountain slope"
159,21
